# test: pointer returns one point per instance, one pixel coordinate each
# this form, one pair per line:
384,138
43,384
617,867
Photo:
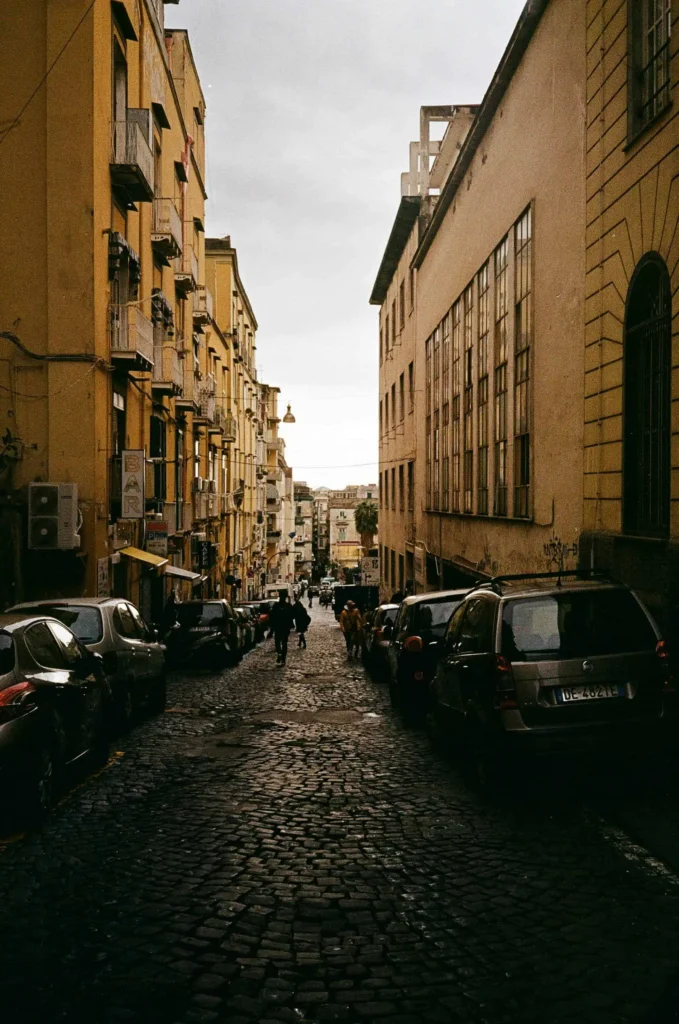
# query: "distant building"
304,526
344,540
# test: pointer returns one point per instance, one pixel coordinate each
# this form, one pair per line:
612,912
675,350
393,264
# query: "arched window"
646,489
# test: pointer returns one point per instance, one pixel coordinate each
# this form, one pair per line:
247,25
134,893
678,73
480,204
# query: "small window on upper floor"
649,41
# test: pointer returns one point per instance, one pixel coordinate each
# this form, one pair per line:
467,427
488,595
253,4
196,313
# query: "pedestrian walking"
351,624
302,620
281,621
311,598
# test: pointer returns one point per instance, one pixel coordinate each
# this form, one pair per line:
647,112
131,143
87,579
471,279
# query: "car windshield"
189,615
82,619
575,624
433,616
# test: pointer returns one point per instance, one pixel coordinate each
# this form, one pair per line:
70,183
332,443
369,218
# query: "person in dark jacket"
302,620
281,621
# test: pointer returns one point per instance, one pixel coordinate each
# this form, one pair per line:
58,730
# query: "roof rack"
585,574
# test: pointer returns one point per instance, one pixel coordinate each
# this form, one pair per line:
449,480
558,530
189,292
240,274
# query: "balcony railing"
168,372
166,236
230,427
203,305
186,269
277,445
132,159
131,337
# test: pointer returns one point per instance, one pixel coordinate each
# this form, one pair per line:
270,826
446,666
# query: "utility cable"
44,78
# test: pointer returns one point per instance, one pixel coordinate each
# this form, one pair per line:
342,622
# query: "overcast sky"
311,107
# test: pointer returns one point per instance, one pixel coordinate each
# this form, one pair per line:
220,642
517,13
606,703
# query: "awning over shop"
184,574
144,556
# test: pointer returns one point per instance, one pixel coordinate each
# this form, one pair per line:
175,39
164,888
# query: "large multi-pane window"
427,400
393,322
523,328
411,387
436,398
393,405
483,296
393,488
402,304
468,399
401,397
411,486
401,489
500,403
650,29
457,346
386,335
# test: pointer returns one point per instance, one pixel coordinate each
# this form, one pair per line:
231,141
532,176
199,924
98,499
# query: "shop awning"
184,574
144,556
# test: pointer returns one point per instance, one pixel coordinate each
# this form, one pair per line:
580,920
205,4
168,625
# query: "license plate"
593,691
199,629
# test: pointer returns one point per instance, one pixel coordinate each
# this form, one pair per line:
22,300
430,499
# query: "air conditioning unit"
53,517
212,486
197,483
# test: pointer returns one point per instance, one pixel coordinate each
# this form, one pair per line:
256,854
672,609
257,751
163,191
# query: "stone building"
304,525
344,540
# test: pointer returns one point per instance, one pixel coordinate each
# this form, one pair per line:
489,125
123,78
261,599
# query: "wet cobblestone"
279,847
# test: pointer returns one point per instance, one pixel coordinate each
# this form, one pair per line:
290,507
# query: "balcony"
200,505
207,405
217,425
178,519
166,236
203,306
132,159
226,504
168,372
277,445
186,270
230,428
131,338
187,401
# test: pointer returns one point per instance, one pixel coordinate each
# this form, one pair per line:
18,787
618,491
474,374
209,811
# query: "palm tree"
365,518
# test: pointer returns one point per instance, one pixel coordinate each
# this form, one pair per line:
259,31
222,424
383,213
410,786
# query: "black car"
415,646
206,633
53,707
376,642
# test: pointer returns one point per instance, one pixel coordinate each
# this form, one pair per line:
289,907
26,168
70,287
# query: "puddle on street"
325,716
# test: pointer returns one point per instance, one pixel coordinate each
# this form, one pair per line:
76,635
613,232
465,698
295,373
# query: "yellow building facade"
128,405
631,431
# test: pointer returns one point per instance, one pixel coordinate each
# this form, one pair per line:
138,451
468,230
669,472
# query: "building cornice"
406,216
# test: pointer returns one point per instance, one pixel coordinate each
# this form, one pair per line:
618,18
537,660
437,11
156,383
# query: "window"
386,335
393,405
380,417
393,487
43,647
402,304
476,631
386,488
647,402
411,287
411,486
7,654
84,620
427,405
401,397
124,623
380,487
483,293
500,404
468,398
393,322
523,329
342,534
386,412
393,567
73,652
381,341
401,572
385,563
401,489
649,39
411,387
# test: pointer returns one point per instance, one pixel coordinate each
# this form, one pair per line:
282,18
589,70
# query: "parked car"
415,645
545,663
133,657
376,643
260,612
53,703
247,626
207,633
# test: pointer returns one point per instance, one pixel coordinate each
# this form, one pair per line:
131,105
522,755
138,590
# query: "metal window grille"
483,292
523,328
501,261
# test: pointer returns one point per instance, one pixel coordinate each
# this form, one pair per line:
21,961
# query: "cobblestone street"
279,847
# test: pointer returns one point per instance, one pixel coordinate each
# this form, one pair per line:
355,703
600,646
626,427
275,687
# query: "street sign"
370,572
133,482
156,539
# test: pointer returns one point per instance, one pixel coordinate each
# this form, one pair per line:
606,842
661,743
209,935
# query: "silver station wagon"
538,664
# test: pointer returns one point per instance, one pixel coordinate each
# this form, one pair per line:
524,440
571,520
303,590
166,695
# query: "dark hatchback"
53,705
415,645
206,634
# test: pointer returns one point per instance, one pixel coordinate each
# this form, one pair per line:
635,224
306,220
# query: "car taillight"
414,644
504,686
263,618
12,700
663,653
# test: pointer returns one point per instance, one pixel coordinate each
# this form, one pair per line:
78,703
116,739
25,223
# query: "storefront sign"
133,481
204,550
103,585
156,539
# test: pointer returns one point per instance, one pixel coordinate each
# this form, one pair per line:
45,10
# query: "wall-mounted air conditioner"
53,517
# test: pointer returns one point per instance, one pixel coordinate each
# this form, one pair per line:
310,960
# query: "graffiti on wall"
558,552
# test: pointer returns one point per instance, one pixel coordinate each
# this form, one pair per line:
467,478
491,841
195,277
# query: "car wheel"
158,695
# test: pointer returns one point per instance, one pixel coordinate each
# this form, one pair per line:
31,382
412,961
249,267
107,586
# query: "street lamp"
289,418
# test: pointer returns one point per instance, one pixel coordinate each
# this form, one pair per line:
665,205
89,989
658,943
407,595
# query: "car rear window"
83,620
433,617
7,654
199,614
389,616
575,624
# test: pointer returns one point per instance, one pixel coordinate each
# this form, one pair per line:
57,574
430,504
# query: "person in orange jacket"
351,623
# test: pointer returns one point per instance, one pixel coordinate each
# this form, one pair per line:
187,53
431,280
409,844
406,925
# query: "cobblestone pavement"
279,847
